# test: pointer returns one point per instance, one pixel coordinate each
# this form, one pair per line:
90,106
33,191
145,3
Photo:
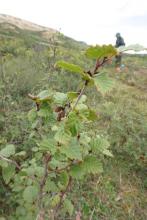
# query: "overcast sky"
92,21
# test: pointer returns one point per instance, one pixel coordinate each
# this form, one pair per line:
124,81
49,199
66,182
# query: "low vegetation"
104,177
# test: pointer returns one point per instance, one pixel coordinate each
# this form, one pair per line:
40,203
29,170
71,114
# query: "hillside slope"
23,24
12,27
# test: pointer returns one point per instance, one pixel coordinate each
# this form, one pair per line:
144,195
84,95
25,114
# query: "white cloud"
93,21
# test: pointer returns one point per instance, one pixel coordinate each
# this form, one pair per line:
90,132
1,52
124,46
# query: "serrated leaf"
64,179
103,83
73,123
100,145
97,52
43,113
8,172
107,153
45,95
72,150
8,151
84,139
50,186
48,144
72,95
55,200
81,107
30,193
60,98
54,128
62,136
92,165
77,171
39,171
68,206
54,164
70,67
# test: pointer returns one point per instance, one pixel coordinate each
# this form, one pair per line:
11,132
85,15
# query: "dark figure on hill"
119,42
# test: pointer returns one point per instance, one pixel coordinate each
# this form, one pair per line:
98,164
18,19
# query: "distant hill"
12,27
23,24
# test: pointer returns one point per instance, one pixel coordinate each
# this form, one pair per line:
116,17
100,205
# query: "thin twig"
80,95
43,181
92,214
16,164
10,161
62,195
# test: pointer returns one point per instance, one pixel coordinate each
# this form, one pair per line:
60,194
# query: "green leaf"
100,145
55,163
8,173
64,179
3,163
73,123
30,193
60,98
55,200
45,95
84,139
83,99
43,113
72,95
50,186
92,116
92,165
88,114
107,153
32,115
21,153
97,52
62,136
39,171
70,67
77,171
103,83
68,206
8,151
48,144
72,150
81,107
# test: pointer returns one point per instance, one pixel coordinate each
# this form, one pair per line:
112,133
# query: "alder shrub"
63,150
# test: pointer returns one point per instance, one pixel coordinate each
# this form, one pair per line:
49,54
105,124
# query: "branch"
32,97
100,64
62,195
16,164
80,95
43,180
92,214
